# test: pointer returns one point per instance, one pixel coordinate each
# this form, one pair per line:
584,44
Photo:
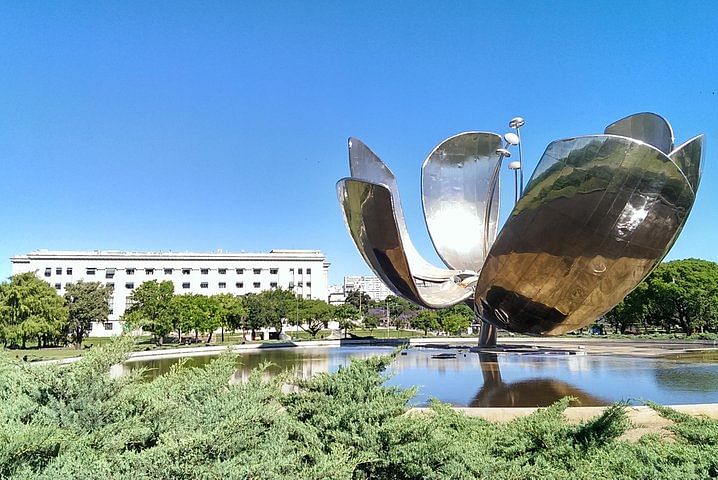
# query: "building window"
240,271
272,284
58,286
309,271
222,271
309,284
222,285
168,271
307,296
110,273
130,271
90,271
110,285
300,284
299,271
204,271
185,271
129,285
257,285
58,271
239,284
128,302
204,285
107,325
291,270
185,285
67,284
149,271
273,271
257,271
48,272
68,271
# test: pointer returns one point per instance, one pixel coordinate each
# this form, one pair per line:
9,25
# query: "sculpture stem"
487,335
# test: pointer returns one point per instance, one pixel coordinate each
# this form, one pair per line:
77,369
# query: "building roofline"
275,254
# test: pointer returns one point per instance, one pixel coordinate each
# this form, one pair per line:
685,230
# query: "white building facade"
303,271
372,286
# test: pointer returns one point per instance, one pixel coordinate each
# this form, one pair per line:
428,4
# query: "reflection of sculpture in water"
599,213
536,392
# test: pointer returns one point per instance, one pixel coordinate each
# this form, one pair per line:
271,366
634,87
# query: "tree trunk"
209,338
179,335
222,332
24,341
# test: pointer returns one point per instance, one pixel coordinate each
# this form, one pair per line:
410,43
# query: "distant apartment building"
335,295
372,286
302,271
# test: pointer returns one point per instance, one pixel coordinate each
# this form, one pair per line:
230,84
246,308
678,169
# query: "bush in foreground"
77,422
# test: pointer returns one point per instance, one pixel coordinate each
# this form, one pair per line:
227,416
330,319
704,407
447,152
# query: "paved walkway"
644,420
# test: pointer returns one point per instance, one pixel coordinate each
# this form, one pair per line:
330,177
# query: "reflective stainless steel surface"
596,217
366,165
647,127
370,217
689,158
456,181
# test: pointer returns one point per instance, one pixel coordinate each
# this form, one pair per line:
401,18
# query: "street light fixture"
517,123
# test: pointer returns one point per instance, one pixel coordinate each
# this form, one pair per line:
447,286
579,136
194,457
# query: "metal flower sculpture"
598,214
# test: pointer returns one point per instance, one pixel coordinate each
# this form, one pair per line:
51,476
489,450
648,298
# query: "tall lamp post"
516,167
516,123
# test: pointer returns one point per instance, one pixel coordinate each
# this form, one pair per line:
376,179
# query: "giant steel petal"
646,127
366,165
689,158
460,195
371,220
596,217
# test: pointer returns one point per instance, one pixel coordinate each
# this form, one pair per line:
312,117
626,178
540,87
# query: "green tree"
371,320
633,309
231,311
399,310
259,314
684,293
282,303
360,300
209,318
347,316
313,316
87,302
426,320
184,314
151,308
455,320
30,308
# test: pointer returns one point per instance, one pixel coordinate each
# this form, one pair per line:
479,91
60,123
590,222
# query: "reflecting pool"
464,378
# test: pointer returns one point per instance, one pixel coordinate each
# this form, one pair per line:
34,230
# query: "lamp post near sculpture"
516,166
598,214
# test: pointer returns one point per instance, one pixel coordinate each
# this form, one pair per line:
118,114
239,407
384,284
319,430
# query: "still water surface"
507,379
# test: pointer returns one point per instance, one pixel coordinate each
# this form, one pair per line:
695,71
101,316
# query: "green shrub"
80,422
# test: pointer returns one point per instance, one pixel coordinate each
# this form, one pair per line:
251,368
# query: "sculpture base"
487,335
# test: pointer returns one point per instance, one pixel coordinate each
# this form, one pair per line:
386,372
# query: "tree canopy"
30,308
87,302
150,308
680,294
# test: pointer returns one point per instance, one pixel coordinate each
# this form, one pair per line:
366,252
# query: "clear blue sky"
205,125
